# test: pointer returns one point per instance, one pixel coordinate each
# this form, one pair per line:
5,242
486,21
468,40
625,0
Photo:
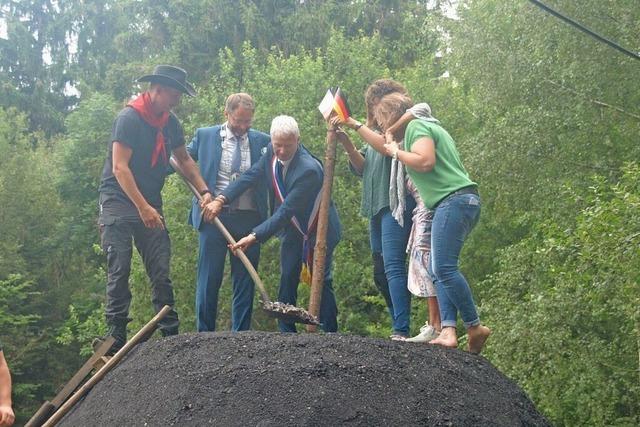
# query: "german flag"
334,101
340,105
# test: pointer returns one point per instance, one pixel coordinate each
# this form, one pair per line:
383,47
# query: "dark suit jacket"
303,182
206,149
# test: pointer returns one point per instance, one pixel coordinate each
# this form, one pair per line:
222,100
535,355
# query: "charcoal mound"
272,379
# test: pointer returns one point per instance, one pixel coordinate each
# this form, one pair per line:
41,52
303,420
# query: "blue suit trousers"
291,266
211,260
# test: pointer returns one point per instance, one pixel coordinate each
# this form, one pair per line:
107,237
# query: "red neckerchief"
142,104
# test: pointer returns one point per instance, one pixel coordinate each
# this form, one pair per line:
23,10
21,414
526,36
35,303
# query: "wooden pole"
49,408
320,250
143,333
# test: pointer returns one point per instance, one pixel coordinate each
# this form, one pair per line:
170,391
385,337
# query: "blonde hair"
390,108
236,100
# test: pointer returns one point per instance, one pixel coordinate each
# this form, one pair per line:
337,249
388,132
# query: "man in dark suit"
224,152
294,180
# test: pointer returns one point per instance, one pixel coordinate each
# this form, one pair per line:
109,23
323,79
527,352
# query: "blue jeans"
390,239
453,220
211,259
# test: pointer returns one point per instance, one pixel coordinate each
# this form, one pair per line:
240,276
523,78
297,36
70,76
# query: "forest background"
547,120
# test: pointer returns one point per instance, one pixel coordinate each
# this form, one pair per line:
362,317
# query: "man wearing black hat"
144,135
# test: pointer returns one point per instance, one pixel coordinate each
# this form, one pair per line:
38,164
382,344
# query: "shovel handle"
240,254
245,261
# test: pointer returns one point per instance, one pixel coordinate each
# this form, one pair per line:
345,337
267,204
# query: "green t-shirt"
375,182
448,174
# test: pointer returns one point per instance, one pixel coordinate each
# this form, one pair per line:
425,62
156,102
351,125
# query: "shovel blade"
290,313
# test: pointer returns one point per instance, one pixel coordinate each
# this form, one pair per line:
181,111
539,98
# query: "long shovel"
277,309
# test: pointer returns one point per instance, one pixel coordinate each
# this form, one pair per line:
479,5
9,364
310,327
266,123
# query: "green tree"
33,270
565,306
79,158
538,103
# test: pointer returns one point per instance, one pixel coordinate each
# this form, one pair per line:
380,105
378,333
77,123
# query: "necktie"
279,168
236,160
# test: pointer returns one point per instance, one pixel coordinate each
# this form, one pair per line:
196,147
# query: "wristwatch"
357,126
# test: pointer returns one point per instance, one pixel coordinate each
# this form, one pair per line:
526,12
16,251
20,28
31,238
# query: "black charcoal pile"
271,379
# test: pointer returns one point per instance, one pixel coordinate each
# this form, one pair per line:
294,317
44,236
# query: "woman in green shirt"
434,166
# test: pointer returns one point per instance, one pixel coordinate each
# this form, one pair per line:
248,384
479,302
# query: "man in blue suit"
224,152
294,180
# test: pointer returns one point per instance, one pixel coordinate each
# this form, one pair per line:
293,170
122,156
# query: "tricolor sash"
306,230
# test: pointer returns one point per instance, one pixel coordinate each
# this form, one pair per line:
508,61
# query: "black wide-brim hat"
168,75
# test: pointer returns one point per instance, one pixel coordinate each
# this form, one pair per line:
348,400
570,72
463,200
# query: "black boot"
169,325
116,329
169,332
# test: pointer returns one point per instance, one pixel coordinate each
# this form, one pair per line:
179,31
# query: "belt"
472,189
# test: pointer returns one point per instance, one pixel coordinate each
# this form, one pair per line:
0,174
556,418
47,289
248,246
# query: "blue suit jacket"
303,182
206,149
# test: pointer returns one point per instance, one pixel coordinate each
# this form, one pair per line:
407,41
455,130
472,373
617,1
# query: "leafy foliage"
546,120
566,302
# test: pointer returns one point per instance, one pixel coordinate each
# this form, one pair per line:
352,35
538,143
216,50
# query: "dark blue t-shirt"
130,129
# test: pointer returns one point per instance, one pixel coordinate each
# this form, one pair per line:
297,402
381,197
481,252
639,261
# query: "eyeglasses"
240,121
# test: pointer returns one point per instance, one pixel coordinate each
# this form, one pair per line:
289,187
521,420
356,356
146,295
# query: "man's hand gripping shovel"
277,309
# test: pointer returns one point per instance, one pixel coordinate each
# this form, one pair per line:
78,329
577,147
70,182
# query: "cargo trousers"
154,246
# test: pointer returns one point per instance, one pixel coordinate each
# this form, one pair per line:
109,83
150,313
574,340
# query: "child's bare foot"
477,336
447,338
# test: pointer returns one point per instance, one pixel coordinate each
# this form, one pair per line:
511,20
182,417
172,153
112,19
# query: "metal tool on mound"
275,309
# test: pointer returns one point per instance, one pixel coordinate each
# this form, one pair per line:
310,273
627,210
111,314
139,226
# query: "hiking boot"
169,332
427,333
117,330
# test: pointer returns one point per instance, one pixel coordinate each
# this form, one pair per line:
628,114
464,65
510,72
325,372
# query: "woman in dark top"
388,236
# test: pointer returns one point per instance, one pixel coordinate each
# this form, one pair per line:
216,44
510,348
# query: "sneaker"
396,337
427,333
